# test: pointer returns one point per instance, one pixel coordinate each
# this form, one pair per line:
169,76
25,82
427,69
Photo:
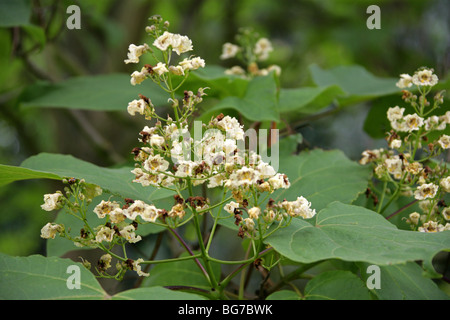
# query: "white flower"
135,52
394,165
395,144
405,81
229,50
235,71
445,118
137,77
232,127
435,123
262,48
216,180
105,207
50,230
177,211
275,68
395,113
446,213
157,140
52,201
231,206
164,41
138,269
414,218
413,122
181,44
445,184
244,177
424,77
444,141
117,215
177,70
178,43
370,155
279,181
137,208
249,224
431,226
104,234
192,64
185,168
146,179
136,106
150,213
299,207
160,68
129,234
426,191
156,163
254,213
197,62
265,170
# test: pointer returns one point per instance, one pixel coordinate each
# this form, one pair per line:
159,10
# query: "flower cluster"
169,158
415,143
165,43
250,50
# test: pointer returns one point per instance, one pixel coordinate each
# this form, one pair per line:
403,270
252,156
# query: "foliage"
195,212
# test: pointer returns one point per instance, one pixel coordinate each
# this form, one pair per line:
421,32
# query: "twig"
401,209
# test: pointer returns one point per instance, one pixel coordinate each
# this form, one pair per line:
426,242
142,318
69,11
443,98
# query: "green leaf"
353,233
355,81
218,83
404,282
14,13
39,278
260,102
283,295
155,293
10,174
180,273
307,100
323,177
336,285
110,92
117,181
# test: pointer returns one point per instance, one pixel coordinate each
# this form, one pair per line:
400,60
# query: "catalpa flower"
50,230
426,191
105,207
262,48
178,43
444,141
229,50
129,234
104,234
138,269
52,201
299,207
405,81
135,52
424,77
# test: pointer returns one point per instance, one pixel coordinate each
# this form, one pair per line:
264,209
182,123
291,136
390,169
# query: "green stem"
383,193
204,253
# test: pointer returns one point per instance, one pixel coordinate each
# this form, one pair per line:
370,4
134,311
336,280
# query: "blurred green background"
36,46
